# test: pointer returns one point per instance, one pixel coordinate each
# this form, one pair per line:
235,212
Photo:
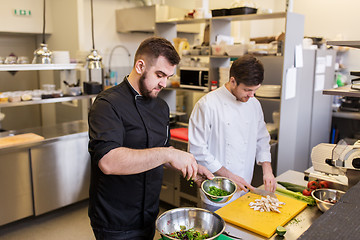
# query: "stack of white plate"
61,57
269,91
223,75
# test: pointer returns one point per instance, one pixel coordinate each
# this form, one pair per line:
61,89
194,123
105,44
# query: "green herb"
191,182
190,234
217,191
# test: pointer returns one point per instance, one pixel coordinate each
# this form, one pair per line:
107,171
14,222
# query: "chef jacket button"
245,142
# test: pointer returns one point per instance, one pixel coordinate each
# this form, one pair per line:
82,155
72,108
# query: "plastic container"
242,10
74,91
220,12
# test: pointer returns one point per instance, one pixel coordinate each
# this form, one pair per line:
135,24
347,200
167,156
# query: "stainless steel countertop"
294,227
50,133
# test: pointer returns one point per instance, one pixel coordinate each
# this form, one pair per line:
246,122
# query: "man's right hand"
184,162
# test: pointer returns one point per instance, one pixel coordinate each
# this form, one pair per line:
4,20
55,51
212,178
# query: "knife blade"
262,192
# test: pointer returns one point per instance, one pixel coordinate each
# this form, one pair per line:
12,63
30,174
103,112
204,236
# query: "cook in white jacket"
227,131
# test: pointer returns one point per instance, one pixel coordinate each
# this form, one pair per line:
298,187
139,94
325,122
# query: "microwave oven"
194,78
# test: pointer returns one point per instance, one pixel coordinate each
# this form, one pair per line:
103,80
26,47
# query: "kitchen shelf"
244,17
48,100
348,115
194,68
344,91
35,67
277,99
353,44
185,89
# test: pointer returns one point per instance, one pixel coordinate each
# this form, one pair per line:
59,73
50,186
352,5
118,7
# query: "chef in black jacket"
129,144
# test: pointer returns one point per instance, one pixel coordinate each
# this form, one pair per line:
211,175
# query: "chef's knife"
264,193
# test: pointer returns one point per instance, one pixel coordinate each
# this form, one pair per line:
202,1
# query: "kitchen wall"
70,27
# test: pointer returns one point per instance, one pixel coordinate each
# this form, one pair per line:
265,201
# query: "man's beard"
143,91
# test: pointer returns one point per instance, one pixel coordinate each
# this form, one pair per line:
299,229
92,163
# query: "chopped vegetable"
299,196
329,200
190,234
266,204
280,230
217,191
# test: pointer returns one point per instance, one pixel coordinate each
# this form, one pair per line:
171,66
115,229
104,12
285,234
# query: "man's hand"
184,162
202,174
240,182
268,177
269,182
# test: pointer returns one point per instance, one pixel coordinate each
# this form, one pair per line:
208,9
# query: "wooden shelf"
35,67
48,100
344,91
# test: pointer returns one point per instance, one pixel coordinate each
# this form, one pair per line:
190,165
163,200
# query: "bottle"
214,85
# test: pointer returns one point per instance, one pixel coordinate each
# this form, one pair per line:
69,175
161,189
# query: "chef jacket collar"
136,93
228,94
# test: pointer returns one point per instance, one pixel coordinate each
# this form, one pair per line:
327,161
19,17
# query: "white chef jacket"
226,132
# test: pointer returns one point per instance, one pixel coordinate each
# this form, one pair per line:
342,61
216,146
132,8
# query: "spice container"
214,85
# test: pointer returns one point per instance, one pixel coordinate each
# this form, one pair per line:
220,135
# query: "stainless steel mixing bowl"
323,194
199,219
222,183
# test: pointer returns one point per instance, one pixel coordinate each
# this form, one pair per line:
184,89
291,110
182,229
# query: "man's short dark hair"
153,47
247,70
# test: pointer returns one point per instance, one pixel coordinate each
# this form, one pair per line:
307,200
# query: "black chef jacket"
120,117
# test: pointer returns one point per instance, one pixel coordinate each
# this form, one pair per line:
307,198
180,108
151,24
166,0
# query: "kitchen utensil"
19,139
322,195
263,193
221,183
231,236
199,219
240,214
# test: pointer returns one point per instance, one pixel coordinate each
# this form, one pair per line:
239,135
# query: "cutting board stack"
19,139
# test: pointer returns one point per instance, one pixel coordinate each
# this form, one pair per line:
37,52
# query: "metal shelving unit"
344,91
44,101
36,67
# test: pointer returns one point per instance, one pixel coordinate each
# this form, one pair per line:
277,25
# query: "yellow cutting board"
240,214
19,139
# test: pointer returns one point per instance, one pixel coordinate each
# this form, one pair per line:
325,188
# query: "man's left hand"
269,182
